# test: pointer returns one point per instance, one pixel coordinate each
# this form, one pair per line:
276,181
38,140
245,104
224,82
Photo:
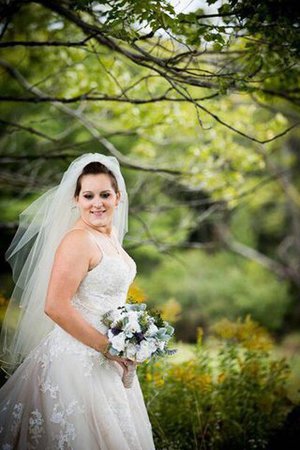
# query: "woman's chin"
98,221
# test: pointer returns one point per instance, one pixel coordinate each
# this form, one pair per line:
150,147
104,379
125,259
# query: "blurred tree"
195,105
243,46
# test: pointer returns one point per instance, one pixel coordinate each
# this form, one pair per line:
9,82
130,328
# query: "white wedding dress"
66,395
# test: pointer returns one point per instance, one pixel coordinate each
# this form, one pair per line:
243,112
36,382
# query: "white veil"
41,228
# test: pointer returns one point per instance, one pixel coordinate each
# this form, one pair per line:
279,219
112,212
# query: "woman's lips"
97,213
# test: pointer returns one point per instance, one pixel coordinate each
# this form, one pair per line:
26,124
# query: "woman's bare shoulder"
76,238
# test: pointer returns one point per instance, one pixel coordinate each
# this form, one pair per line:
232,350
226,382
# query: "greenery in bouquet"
137,333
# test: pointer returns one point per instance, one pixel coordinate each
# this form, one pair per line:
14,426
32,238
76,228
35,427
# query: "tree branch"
254,255
188,98
29,129
81,43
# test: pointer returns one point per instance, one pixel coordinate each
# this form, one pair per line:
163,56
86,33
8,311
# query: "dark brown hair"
94,168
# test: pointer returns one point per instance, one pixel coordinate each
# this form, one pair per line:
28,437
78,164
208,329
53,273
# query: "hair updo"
95,168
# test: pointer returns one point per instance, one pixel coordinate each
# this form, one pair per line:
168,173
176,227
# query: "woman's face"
97,200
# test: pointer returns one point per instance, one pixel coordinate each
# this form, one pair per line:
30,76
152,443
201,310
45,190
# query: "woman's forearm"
73,323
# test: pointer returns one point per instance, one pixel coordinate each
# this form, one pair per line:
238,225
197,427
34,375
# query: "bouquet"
137,335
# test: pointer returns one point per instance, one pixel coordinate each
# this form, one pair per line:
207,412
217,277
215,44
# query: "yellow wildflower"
149,377
225,329
251,335
171,310
221,377
136,294
159,382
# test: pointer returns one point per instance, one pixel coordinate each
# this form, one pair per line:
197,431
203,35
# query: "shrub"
211,286
232,396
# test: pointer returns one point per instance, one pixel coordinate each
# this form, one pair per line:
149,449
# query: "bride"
65,390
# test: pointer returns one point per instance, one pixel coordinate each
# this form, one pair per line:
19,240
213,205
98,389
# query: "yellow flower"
248,333
159,382
170,310
225,329
252,367
136,294
203,381
149,377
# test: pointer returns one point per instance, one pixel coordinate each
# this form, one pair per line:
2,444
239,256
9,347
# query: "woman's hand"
128,369
124,362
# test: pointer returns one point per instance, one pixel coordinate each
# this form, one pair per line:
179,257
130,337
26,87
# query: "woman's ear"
118,198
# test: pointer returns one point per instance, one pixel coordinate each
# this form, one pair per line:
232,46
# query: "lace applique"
67,432
35,427
115,278
120,409
44,361
41,397
47,386
61,344
5,407
16,415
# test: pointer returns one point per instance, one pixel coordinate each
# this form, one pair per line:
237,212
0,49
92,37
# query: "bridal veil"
31,253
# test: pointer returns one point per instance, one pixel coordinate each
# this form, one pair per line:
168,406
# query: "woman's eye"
88,197
105,195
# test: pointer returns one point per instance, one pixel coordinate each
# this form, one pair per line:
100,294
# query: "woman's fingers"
124,363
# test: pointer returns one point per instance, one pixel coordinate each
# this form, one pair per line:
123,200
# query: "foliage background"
199,101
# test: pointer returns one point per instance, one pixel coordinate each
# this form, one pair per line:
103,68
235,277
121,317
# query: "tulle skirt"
66,395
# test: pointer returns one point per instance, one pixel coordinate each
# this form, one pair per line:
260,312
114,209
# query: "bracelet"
106,349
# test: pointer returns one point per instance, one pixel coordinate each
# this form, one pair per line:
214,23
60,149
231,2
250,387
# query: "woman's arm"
71,263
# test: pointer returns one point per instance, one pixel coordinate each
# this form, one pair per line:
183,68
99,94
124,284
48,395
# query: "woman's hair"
94,168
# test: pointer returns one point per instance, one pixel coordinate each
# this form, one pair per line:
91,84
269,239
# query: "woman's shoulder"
76,233
78,237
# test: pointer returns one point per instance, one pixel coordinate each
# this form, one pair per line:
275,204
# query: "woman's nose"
98,202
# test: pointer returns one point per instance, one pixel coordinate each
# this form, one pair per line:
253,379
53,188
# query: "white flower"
133,325
116,316
161,345
110,335
152,345
130,351
152,329
118,341
144,352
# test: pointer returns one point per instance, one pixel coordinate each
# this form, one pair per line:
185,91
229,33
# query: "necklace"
109,238
112,242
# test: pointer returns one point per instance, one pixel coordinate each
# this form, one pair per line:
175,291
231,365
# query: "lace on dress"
65,394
